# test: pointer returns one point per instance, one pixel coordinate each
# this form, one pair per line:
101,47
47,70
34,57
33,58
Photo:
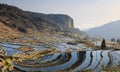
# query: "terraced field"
84,60
73,61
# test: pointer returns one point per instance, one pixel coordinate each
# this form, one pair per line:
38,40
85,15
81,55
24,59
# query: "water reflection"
74,61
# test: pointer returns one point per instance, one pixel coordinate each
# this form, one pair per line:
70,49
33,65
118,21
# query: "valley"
35,42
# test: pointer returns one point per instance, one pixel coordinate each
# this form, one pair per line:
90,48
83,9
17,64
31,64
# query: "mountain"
23,20
107,31
26,21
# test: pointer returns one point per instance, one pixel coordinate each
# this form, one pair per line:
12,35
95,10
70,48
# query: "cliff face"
56,22
24,20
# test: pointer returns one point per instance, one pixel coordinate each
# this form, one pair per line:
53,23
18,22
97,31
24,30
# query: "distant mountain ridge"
107,31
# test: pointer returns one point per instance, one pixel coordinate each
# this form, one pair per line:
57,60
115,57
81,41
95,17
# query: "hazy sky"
86,13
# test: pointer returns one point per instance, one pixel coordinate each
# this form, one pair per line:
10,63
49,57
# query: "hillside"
26,22
7,32
23,20
108,31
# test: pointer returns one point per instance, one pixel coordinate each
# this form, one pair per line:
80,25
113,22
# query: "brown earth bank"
116,69
7,33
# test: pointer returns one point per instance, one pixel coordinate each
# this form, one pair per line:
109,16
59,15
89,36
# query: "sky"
85,13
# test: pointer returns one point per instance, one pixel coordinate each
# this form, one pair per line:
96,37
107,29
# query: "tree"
118,41
113,40
103,45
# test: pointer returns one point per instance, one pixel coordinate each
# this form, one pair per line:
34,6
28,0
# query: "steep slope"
108,31
35,23
24,20
7,32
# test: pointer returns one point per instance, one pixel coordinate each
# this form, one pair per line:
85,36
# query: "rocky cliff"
24,20
36,24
